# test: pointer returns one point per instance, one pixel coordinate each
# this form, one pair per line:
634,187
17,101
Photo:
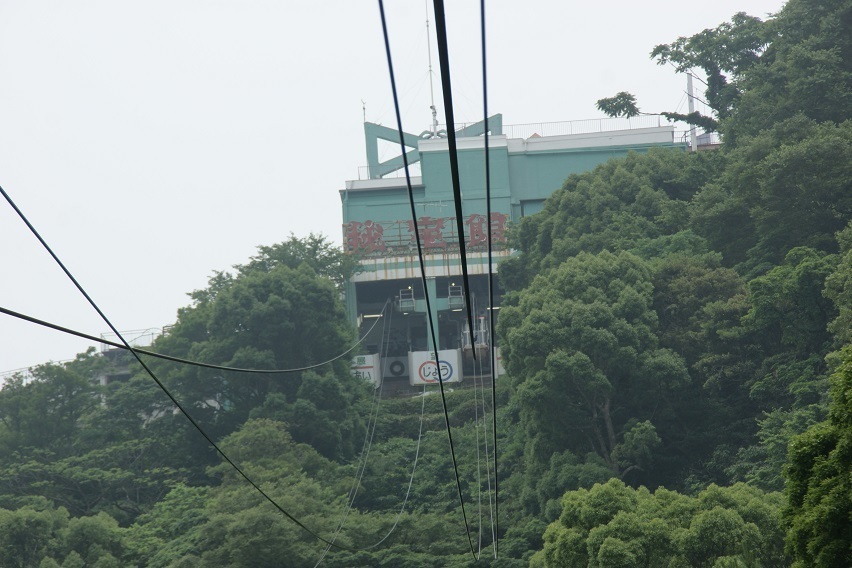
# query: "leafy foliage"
622,104
725,53
614,525
672,320
583,338
820,488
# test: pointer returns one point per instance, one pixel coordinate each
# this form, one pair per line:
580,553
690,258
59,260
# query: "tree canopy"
676,331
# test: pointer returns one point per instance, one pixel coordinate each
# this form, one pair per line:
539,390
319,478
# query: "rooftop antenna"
431,86
693,146
364,109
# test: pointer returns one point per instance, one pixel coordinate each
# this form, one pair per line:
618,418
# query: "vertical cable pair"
443,52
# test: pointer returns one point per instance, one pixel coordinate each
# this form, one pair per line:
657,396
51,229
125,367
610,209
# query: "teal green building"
527,162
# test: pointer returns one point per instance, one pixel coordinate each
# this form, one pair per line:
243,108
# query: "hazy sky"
154,142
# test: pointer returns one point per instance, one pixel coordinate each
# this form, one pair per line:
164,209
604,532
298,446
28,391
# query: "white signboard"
424,369
368,368
498,367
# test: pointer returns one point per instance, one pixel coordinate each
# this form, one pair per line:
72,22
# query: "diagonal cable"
163,387
446,86
493,363
366,447
174,359
423,273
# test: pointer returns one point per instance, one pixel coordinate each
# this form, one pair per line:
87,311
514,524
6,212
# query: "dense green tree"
819,486
685,285
324,258
761,464
790,315
785,187
44,412
121,479
804,69
232,524
277,312
581,343
620,205
29,534
613,525
39,535
167,533
838,288
98,539
725,53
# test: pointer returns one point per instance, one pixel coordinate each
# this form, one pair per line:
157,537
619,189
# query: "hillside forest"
677,334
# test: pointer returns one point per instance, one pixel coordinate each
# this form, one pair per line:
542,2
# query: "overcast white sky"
154,142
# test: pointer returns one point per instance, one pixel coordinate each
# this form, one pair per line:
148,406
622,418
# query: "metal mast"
431,86
691,99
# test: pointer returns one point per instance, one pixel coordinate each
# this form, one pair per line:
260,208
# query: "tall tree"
620,205
819,487
788,186
612,525
581,342
326,259
725,53
277,312
44,412
804,70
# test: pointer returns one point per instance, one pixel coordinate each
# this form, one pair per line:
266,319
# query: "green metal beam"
375,132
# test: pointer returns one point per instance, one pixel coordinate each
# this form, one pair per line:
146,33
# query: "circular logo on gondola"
428,372
396,368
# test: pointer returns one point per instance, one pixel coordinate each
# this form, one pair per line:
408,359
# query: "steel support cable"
487,457
446,87
413,469
485,443
491,500
491,336
163,387
365,448
477,385
410,477
103,341
477,363
479,369
423,272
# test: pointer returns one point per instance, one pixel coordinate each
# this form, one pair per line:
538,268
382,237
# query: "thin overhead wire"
413,468
478,362
492,362
365,448
479,385
491,497
410,481
103,341
163,387
423,272
702,101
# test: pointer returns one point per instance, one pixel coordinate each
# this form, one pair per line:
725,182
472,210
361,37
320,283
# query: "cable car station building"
527,164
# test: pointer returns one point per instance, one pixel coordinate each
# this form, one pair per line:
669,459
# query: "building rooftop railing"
414,171
135,337
25,372
571,127
704,140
